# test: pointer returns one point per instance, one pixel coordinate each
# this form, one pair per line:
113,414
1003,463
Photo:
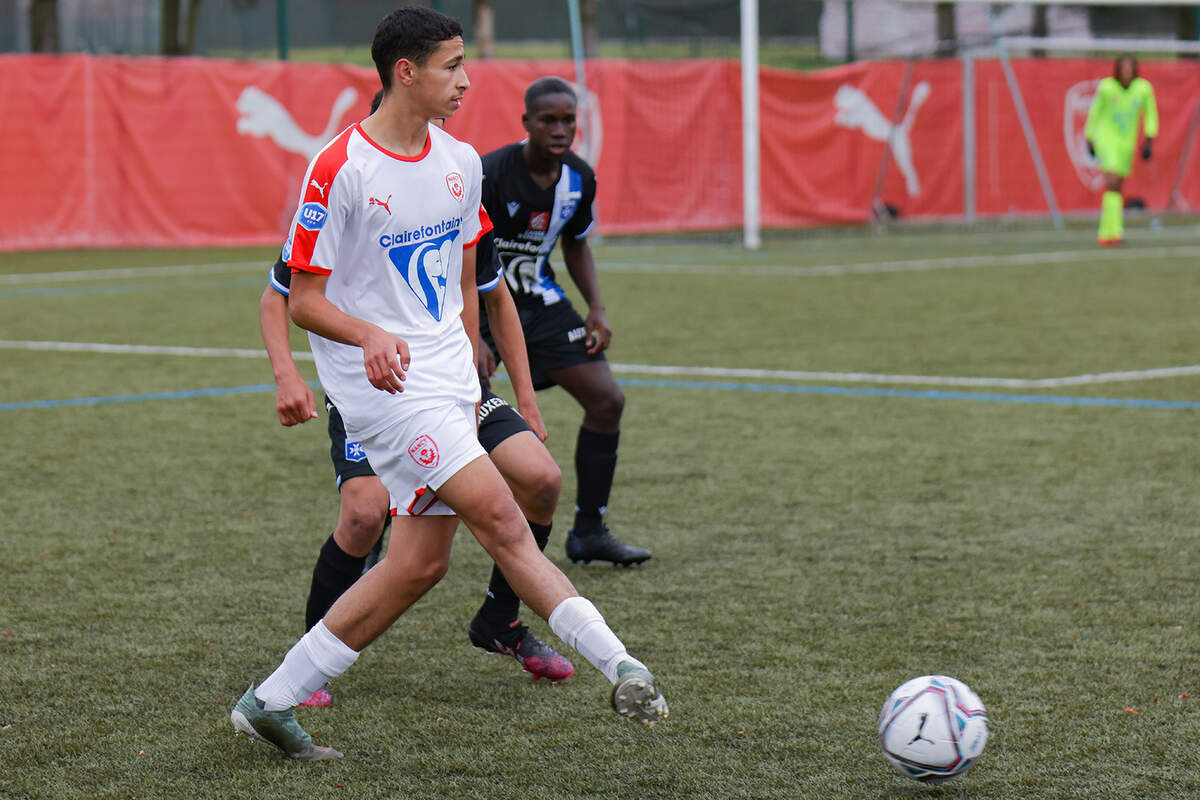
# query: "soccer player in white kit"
382,255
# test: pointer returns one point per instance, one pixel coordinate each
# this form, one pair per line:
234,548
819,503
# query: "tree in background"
172,44
591,33
947,34
485,28
43,26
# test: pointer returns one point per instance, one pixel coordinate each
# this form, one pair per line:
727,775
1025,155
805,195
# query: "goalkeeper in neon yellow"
1112,135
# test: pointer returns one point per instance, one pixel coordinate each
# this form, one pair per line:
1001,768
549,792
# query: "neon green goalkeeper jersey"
1113,117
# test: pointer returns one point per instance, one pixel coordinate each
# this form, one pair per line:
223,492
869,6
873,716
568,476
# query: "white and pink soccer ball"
933,728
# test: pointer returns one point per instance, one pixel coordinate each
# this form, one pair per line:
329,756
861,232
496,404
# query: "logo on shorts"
454,182
424,451
575,334
539,221
355,452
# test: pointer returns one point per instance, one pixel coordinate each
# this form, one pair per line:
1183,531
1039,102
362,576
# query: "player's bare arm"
578,256
385,355
506,330
294,400
470,293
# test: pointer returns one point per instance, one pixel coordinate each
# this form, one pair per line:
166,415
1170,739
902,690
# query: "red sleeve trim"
311,268
325,168
485,225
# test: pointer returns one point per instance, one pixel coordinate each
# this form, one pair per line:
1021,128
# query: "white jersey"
389,231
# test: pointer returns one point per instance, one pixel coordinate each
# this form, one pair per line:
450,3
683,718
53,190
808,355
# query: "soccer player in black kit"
538,192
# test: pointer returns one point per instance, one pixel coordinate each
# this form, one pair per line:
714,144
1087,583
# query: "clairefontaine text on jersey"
420,234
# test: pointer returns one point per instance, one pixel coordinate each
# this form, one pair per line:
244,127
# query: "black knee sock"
500,607
334,573
595,464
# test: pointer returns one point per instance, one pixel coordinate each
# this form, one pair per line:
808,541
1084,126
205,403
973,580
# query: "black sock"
334,573
595,464
501,606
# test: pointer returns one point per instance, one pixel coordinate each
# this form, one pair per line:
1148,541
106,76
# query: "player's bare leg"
531,474
417,560
331,646
535,480
595,389
480,497
345,556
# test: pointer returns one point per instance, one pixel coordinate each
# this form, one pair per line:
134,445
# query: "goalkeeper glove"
1147,149
1091,148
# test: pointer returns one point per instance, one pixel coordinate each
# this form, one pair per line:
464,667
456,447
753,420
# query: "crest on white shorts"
424,451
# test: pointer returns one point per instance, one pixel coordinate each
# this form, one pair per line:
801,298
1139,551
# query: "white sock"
318,657
577,622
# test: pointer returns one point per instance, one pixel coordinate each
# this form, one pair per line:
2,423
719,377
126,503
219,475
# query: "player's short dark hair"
1131,58
413,33
544,86
376,101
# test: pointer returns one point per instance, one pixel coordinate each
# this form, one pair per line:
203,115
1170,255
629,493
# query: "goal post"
751,176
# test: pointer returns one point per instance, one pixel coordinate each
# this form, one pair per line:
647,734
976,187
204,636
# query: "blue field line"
185,394
836,391
917,394
68,291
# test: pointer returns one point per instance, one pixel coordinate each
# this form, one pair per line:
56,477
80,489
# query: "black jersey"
487,269
529,219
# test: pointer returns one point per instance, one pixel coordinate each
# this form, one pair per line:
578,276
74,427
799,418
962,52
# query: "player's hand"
599,334
386,358
294,401
533,418
1091,148
485,362
1147,149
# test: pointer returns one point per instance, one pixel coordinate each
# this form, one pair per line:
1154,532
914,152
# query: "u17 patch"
313,216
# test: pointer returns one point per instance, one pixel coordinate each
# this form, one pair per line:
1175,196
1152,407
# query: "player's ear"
404,71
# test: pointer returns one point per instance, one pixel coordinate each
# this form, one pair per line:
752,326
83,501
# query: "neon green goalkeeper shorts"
1115,155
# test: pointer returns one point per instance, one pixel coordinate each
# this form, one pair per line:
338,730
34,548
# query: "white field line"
818,270
657,370
134,272
906,265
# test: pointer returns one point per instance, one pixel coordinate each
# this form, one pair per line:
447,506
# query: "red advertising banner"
110,151
1058,94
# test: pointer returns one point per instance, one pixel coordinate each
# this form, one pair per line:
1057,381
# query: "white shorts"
416,455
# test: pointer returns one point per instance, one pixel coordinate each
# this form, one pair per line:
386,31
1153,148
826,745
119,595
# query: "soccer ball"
933,728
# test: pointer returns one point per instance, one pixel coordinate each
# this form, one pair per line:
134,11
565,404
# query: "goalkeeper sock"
1111,211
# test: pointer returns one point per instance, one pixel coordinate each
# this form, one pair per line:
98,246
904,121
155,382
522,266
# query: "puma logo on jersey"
375,201
319,187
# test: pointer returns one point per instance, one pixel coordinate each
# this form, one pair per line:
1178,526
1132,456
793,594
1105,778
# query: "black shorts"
497,421
349,459
555,338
